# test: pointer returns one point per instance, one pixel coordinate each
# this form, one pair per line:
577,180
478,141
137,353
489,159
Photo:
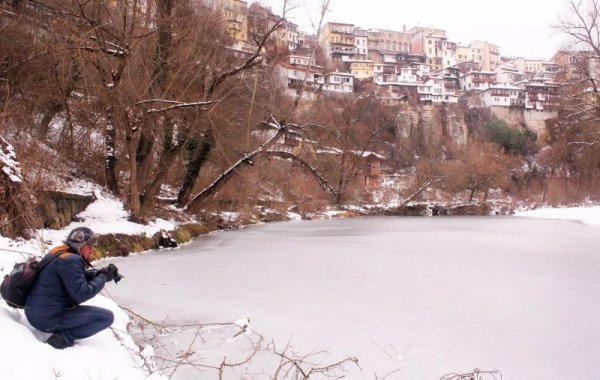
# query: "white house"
477,80
407,74
297,71
361,43
435,87
342,83
384,73
508,74
503,95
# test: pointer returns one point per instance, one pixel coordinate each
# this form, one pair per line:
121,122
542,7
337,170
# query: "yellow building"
235,13
361,69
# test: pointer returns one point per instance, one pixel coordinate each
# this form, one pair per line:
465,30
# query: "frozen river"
428,296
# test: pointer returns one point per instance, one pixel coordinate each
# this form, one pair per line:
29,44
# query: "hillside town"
416,64
220,103
414,67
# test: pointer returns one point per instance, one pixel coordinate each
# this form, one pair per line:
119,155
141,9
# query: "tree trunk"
134,193
198,156
170,151
143,154
163,44
110,135
485,194
52,109
471,194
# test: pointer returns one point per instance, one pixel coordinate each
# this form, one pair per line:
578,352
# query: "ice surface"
428,295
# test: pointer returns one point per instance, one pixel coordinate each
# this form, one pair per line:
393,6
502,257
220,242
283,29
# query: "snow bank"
111,354
106,215
586,215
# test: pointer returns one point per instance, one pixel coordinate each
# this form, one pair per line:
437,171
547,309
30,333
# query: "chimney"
404,28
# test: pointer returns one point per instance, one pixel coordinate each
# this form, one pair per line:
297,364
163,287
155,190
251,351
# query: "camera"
118,277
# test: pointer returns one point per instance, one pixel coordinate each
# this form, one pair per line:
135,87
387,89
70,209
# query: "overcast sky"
518,27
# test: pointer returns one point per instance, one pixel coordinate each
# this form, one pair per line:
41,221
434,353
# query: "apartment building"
576,66
538,68
338,41
262,19
490,54
235,15
390,41
433,44
307,44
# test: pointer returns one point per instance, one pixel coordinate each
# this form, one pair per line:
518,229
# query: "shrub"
182,235
511,139
195,229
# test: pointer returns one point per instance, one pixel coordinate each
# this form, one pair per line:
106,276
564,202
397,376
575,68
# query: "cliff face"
432,125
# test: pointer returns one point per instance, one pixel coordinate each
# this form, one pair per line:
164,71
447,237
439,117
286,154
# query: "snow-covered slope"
111,354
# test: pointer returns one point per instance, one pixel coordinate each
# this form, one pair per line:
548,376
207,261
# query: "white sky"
518,27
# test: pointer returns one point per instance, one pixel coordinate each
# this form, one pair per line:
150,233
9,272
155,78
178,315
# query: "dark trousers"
80,322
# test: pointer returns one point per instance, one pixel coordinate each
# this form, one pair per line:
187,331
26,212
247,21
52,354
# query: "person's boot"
57,341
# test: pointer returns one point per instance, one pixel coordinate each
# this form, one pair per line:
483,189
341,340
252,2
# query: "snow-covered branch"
320,178
177,105
8,160
113,52
424,186
476,374
246,159
122,51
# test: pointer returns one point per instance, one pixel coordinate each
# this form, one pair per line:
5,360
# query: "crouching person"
53,304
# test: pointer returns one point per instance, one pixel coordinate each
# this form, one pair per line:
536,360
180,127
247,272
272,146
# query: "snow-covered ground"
586,215
110,354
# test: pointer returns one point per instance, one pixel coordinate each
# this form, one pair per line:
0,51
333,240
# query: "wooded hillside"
149,99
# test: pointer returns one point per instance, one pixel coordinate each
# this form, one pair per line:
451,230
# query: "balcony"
490,80
342,50
343,31
344,42
517,103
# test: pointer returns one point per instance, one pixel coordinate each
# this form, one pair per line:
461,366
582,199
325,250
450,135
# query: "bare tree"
578,125
480,167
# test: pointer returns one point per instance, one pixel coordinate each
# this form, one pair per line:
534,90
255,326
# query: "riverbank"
113,353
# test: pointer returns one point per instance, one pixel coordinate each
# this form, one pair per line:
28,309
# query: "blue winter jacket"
61,285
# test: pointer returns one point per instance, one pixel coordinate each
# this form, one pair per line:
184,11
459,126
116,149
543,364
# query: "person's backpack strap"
47,260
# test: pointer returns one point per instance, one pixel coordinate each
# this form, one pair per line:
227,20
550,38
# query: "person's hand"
109,272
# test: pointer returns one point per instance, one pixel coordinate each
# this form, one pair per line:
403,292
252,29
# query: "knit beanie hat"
81,236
